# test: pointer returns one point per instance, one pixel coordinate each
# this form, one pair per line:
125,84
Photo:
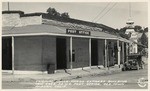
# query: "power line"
106,12
130,10
101,11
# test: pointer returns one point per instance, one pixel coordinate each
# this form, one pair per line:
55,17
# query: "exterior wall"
14,20
115,53
101,51
49,51
32,20
81,47
33,53
112,52
11,20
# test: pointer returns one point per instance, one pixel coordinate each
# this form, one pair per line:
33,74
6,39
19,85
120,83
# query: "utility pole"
130,10
8,6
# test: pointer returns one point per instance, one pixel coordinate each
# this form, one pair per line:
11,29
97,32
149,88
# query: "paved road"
122,80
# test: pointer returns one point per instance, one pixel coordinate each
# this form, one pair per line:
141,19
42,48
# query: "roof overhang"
50,30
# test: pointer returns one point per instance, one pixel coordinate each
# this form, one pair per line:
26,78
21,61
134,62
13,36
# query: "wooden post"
105,53
90,52
108,54
123,52
127,51
118,53
71,53
13,55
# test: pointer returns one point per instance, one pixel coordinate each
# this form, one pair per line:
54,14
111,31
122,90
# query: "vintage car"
134,62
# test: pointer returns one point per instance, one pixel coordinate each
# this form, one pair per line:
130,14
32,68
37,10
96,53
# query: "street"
121,80
129,78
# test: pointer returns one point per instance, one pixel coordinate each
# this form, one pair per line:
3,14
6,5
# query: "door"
6,54
94,52
61,53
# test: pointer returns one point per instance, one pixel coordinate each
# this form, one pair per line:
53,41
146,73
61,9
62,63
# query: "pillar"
90,52
71,53
118,47
123,52
127,51
105,53
13,55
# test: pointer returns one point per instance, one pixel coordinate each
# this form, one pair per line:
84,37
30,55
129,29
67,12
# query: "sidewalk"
61,75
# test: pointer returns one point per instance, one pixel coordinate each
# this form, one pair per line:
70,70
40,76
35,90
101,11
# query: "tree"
117,30
65,15
138,28
144,39
52,11
122,33
122,30
146,29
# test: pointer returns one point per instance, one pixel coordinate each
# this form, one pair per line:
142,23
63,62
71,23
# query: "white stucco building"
130,29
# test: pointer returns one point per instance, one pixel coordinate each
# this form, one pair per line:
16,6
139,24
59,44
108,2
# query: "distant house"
135,36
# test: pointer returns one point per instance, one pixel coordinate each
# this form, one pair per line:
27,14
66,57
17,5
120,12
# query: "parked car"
134,62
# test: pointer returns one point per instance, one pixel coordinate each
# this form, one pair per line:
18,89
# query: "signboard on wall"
78,32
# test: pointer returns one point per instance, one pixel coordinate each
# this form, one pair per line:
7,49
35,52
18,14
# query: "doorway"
94,52
6,54
61,53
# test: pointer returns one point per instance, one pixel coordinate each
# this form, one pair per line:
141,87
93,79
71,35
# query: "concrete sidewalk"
61,75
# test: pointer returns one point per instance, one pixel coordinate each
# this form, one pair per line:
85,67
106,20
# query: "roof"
15,11
125,40
22,14
43,29
48,30
79,22
31,14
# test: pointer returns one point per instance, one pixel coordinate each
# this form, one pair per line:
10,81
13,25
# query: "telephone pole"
8,6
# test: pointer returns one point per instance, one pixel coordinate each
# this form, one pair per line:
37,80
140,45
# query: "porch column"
90,52
105,53
13,55
127,51
71,53
123,52
118,53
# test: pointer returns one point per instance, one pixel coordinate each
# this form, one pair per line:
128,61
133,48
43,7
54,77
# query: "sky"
115,15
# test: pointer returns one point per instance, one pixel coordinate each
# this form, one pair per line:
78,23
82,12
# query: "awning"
43,29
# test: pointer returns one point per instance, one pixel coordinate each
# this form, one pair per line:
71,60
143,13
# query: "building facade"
28,44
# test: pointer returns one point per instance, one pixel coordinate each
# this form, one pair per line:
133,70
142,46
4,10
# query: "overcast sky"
115,17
